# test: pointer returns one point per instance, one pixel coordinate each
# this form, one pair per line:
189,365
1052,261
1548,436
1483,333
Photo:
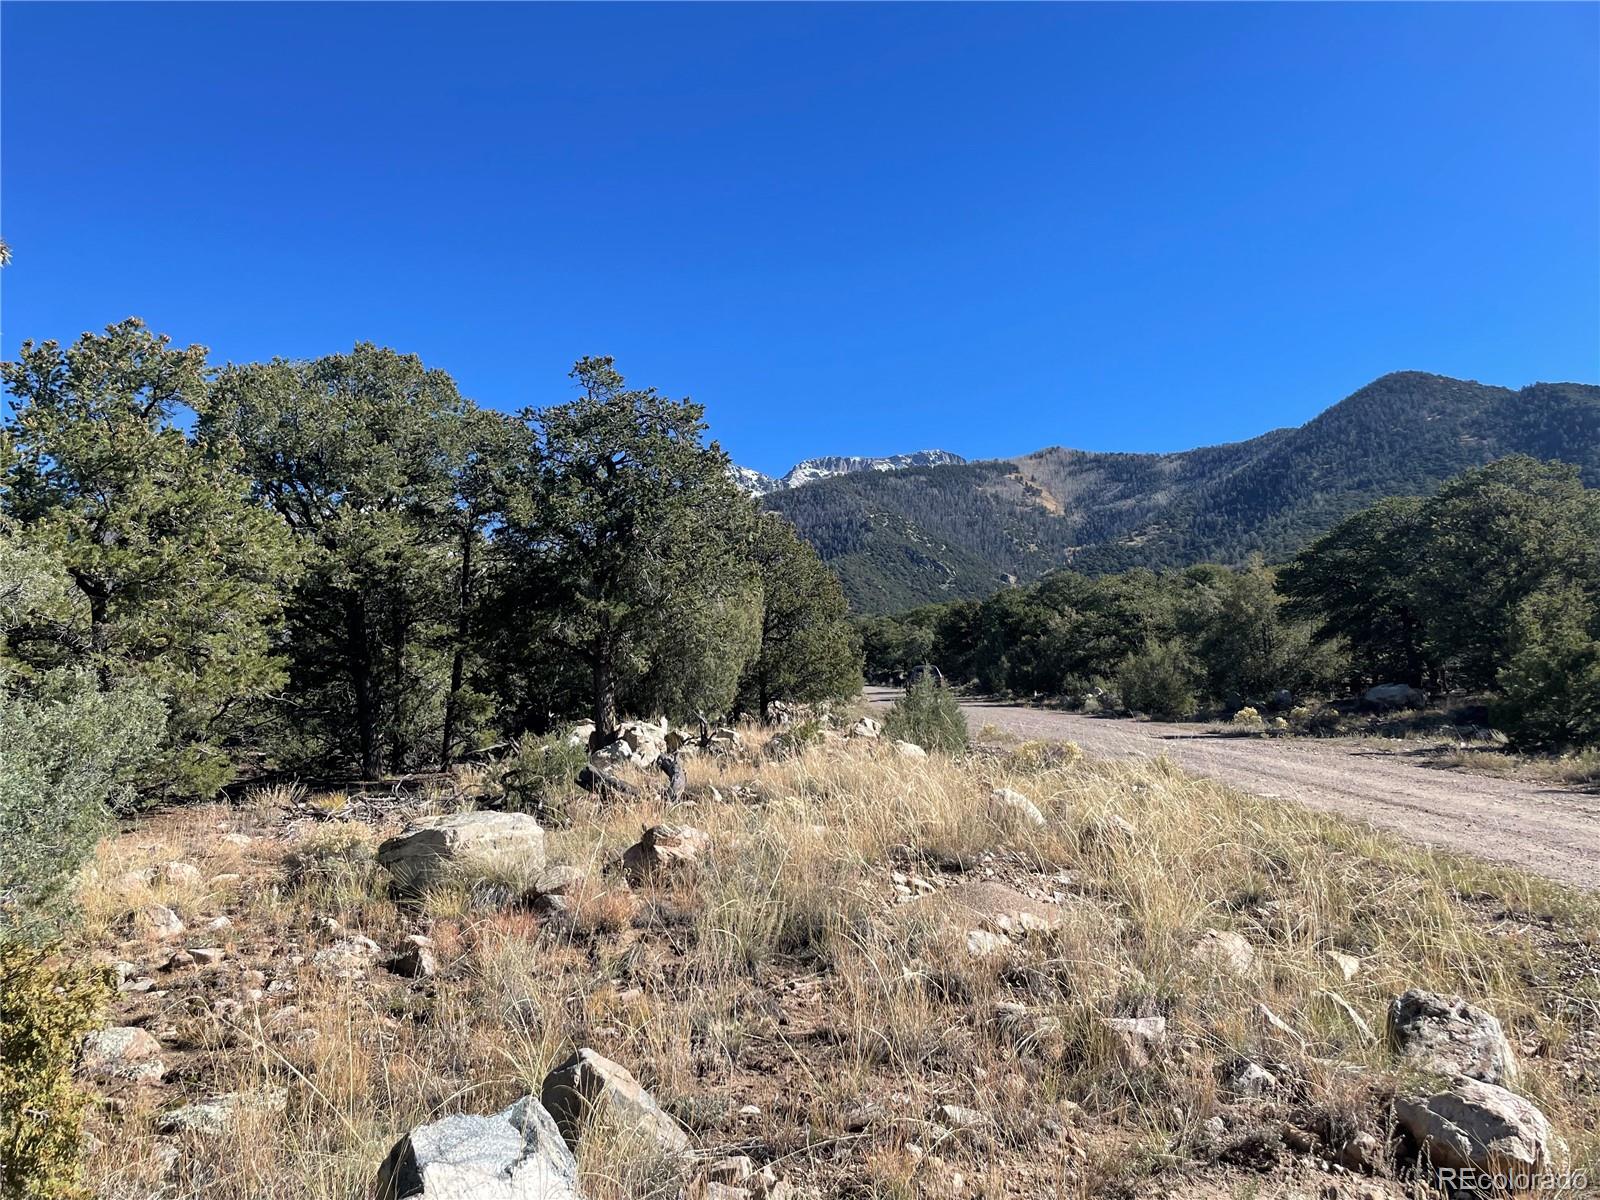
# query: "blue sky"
844,229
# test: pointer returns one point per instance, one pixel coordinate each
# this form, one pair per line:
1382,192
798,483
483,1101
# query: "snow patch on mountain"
826,467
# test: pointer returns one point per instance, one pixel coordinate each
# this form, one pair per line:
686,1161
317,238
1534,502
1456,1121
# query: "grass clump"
928,716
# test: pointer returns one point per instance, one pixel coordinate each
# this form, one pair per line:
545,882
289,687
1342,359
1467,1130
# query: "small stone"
1348,965
1008,805
1136,1041
664,850
1349,1015
121,1052
1225,951
415,962
207,956
177,874
954,1116
162,921
1246,1078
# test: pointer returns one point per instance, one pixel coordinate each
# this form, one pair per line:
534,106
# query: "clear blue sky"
844,229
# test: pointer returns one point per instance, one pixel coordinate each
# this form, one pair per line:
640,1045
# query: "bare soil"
1542,828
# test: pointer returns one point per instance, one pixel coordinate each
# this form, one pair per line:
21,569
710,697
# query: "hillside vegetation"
953,532
1491,585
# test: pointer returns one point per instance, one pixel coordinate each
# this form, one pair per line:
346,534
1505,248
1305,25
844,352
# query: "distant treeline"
1490,585
343,565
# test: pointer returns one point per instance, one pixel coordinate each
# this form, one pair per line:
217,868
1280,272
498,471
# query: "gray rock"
1246,1078
1136,1041
163,922
1008,805
436,848
1394,695
909,750
1479,1126
517,1154
1225,951
664,850
122,1052
1450,1036
590,1087
213,1116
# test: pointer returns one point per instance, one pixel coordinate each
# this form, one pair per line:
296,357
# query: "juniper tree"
175,572
631,553
808,650
366,456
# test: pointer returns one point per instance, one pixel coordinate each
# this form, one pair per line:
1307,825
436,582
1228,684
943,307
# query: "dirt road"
1549,830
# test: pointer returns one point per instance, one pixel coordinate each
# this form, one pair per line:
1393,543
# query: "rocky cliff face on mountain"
814,469
939,532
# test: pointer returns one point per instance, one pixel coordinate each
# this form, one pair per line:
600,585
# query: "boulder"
1225,951
434,848
1388,696
1007,805
517,1154
1478,1126
644,739
617,754
122,1052
866,727
589,1087
909,750
664,850
1450,1036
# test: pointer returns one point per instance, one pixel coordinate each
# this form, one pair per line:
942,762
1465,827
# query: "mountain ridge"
898,538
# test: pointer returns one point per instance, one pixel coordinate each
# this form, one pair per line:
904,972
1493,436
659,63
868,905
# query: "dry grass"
785,1002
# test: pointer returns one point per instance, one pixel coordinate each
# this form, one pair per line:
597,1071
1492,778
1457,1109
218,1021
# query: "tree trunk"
361,684
458,662
604,711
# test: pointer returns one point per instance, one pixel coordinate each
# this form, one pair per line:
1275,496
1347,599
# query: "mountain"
925,533
814,469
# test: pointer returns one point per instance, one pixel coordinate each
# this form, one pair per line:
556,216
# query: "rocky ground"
832,966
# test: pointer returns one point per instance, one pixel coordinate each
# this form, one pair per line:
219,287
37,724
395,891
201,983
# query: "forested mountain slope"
935,533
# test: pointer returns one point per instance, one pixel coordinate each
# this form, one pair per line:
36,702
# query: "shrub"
539,776
1159,680
1247,716
70,751
929,716
1550,688
47,1006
